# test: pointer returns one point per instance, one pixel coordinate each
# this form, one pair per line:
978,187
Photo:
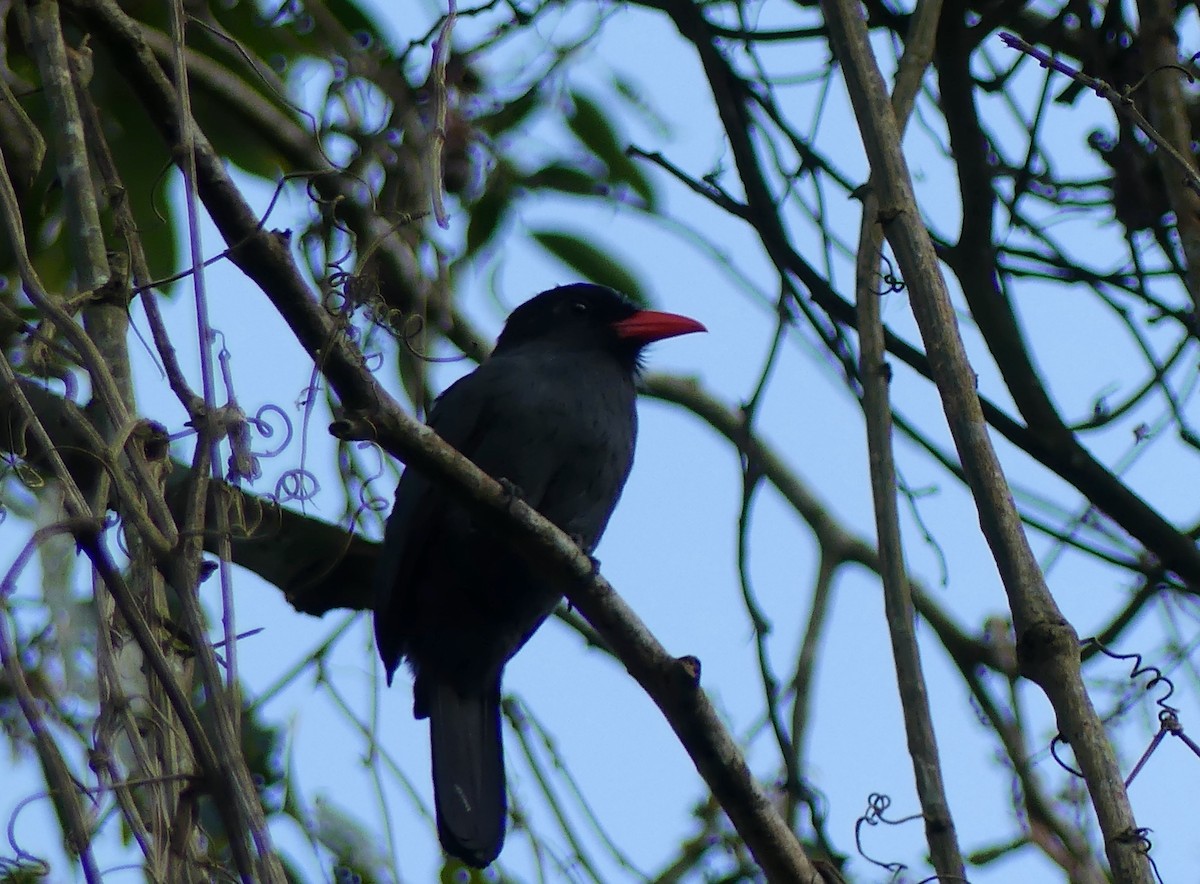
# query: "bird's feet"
586,549
512,492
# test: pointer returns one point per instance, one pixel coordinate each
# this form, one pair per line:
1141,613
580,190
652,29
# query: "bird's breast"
564,434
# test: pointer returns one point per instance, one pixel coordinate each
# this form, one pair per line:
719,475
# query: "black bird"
552,412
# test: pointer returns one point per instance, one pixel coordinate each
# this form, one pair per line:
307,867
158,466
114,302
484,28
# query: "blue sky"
670,547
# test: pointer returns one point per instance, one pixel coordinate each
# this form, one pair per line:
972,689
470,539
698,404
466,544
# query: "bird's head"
584,316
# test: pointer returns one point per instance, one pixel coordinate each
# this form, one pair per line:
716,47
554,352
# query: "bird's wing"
456,416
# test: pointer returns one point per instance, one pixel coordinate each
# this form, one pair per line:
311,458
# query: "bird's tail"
468,772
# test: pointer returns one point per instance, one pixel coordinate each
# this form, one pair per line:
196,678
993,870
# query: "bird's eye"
579,307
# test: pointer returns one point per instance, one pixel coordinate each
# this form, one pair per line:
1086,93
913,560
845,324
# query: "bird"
551,413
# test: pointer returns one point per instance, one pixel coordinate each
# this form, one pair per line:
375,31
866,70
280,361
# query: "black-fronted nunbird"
551,412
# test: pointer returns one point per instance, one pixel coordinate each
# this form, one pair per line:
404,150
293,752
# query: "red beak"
650,325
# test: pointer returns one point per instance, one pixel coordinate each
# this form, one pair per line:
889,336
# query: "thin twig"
875,376
440,100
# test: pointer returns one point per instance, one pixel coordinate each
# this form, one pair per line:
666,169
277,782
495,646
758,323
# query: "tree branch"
372,413
1048,646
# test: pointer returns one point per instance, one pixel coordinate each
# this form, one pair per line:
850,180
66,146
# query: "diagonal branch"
371,413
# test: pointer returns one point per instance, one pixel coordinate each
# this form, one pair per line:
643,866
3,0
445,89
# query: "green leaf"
290,36
565,179
635,97
629,172
488,214
512,114
591,262
591,126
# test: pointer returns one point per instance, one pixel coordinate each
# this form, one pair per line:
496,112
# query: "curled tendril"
298,485
373,502
1129,90
358,289
338,302
373,361
345,258
1139,669
1140,838
369,501
306,397
23,855
113,520
392,318
329,214
405,326
877,805
1145,845
413,326
264,428
1054,744
892,284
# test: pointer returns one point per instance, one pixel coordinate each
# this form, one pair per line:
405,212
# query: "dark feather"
468,773
552,412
